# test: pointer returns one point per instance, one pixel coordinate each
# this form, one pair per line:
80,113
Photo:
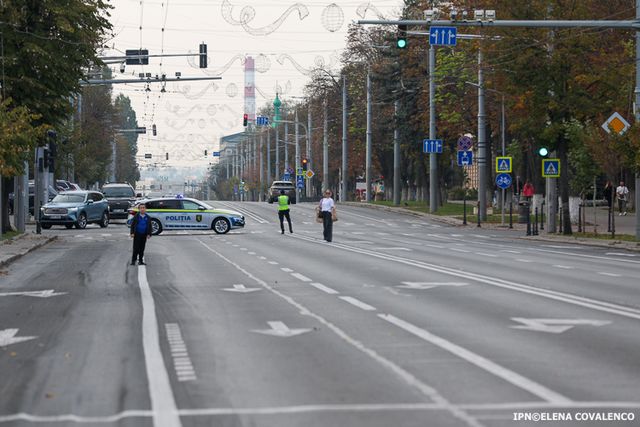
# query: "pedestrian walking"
622,193
140,232
327,210
528,190
283,210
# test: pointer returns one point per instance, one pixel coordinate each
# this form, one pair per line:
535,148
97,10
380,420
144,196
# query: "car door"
170,212
198,217
92,208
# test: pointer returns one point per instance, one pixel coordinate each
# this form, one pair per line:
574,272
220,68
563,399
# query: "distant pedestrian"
608,193
283,210
327,210
622,193
528,190
140,232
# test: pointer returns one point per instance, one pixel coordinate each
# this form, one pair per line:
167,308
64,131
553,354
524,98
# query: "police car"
178,213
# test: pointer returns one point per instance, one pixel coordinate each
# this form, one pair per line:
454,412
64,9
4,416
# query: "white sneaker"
619,214
624,213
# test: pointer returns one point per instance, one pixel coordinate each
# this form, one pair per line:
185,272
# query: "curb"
612,244
5,262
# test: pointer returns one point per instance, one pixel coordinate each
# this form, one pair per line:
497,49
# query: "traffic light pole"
368,150
343,189
433,157
623,25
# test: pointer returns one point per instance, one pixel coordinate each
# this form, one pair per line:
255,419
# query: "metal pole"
368,150
269,157
504,151
396,157
325,147
276,172
433,157
286,146
297,160
482,144
261,185
113,160
343,190
309,152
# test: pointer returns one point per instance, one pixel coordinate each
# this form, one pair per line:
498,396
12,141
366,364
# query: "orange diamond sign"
616,123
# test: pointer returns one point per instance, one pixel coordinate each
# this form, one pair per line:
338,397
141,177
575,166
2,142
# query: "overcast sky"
192,116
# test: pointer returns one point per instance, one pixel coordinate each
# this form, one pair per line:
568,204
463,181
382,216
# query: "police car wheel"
156,227
221,225
82,221
104,221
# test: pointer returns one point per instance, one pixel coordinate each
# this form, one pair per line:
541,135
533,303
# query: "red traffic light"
245,119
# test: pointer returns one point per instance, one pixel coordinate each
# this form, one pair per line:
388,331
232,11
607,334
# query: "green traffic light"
543,151
402,43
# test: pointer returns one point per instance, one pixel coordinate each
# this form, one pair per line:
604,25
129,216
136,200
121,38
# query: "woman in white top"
327,206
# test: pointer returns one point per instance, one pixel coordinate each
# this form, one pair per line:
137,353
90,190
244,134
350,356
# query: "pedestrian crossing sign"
551,168
503,164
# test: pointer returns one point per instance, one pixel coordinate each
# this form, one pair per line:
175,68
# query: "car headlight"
72,209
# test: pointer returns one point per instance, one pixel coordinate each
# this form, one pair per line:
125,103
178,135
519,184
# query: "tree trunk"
564,186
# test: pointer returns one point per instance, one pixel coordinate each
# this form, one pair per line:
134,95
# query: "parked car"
120,197
77,208
277,186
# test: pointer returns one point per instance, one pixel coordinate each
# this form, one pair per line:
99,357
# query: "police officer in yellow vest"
283,210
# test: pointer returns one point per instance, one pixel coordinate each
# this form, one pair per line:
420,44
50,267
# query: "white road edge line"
301,277
358,303
479,361
163,403
402,373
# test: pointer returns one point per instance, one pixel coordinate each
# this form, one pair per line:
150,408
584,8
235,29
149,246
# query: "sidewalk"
19,246
623,225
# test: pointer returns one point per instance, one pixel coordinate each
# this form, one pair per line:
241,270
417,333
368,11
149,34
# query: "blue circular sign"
465,143
503,181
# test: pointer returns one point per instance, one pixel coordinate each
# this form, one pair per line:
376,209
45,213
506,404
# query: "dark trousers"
622,205
139,242
327,225
281,216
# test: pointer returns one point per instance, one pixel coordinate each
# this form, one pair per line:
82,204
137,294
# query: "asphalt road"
398,322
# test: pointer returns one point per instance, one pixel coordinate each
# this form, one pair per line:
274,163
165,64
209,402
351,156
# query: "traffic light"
203,55
543,151
205,153
245,120
153,130
167,155
305,164
401,37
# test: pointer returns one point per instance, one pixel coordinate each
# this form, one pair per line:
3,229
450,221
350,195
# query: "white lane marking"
38,294
566,267
273,262
554,326
486,254
479,361
402,373
620,254
429,285
324,288
245,212
242,289
302,409
8,337
163,403
251,253
593,304
358,303
523,260
244,249
286,270
182,364
459,250
604,273
301,277
262,257
511,252
279,329
434,246
393,249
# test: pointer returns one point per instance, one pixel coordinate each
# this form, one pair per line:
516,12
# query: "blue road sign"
551,168
286,177
465,143
216,154
432,146
443,36
503,164
465,158
503,180
300,181
262,121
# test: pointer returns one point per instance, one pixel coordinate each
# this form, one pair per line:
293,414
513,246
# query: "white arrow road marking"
7,337
428,285
279,329
241,289
554,326
619,254
38,294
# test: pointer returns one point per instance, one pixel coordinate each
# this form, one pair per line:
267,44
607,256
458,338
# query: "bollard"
580,218
37,217
528,220
542,217
510,214
464,208
478,214
535,223
609,219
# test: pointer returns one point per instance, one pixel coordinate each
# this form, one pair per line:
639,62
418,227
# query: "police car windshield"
68,198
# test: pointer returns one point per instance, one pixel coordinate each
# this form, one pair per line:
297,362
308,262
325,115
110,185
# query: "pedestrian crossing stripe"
551,168
503,164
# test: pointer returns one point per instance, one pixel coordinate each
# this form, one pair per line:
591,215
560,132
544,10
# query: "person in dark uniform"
140,232
283,211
